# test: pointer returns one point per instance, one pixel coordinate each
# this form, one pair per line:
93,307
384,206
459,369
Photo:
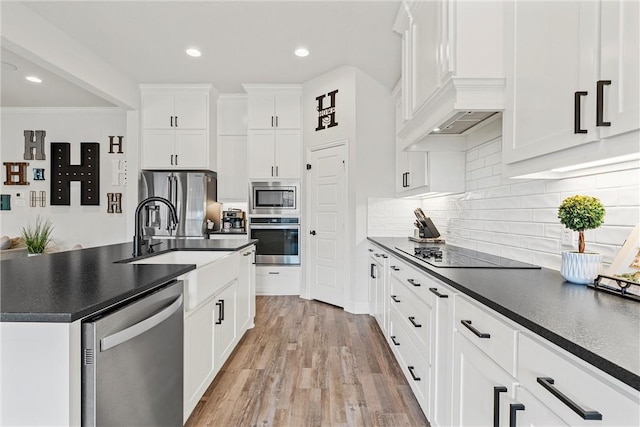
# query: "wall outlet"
567,237
20,199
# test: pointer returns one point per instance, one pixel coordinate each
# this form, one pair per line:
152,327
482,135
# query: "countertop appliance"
233,221
193,193
132,362
278,239
455,257
274,198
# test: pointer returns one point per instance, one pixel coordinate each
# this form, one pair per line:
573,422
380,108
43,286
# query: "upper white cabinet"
565,105
419,172
233,176
175,126
450,63
274,107
274,137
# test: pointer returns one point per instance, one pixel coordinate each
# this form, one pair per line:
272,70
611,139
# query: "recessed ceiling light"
34,79
301,52
436,129
194,52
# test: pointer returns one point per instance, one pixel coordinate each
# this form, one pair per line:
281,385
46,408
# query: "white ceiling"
241,41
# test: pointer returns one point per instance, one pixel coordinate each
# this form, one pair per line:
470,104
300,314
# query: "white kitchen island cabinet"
175,126
570,101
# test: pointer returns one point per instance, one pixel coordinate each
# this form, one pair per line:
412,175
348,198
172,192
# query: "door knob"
312,232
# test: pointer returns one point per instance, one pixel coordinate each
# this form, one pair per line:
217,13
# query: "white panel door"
327,214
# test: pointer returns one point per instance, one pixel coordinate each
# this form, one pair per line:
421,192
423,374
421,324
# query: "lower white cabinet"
225,310
278,280
378,282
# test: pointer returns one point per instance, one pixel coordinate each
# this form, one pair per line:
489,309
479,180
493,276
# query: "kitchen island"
43,301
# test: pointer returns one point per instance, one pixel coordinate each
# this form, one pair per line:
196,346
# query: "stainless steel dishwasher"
132,362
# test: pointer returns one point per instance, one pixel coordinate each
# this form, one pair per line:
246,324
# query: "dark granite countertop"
67,286
602,329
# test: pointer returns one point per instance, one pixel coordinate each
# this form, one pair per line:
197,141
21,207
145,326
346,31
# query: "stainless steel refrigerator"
194,195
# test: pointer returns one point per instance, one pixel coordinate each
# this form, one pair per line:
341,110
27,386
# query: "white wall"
516,218
74,224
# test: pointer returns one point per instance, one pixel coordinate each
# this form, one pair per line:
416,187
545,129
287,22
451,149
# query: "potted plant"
580,213
37,238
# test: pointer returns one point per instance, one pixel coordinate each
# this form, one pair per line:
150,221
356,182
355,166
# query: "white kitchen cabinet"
559,100
449,63
233,172
246,303
378,261
175,126
268,110
278,280
225,326
232,114
274,154
479,386
419,172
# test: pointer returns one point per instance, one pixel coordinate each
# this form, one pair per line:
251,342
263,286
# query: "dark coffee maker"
233,221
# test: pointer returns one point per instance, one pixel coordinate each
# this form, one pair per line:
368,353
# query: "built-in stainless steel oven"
274,198
278,239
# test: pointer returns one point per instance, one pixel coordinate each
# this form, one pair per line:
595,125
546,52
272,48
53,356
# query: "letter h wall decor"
87,172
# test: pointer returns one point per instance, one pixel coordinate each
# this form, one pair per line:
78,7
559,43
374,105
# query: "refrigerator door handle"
141,327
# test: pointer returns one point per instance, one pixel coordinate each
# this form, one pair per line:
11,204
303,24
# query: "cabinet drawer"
416,369
489,333
556,377
415,313
414,279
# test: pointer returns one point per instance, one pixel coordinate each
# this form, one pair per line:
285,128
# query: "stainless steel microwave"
277,198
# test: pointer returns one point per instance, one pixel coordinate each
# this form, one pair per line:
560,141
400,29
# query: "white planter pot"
580,268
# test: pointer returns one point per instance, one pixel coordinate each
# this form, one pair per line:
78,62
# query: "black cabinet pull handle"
467,324
438,294
219,304
496,403
370,250
385,256
413,282
271,121
376,255
276,121
600,102
171,119
415,378
413,322
394,268
395,298
586,414
222,309
176,121
371,273
577,112
393,340
512,413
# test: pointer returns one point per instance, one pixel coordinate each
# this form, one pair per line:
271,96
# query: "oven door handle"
274,227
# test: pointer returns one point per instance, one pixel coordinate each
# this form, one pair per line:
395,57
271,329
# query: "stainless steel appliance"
193,193
278,239
274,198
233,221
456,257
132,362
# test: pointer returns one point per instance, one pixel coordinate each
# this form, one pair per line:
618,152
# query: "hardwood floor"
307,363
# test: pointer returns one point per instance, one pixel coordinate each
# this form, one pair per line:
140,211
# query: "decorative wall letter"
87,172
119,144
327,115
5,202
34,145
33,199
114,202
38,174
16,173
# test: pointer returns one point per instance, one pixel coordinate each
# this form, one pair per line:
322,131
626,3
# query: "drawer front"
416,369
416,316
485,330
556,377
417,281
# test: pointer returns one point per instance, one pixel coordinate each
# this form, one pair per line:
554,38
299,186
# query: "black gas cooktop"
462,258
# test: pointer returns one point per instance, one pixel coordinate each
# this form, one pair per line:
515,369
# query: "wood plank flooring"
307,363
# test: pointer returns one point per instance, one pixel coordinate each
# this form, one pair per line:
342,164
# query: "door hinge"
308,166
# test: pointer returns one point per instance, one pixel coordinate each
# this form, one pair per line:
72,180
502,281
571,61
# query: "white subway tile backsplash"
571,186
553,231
472,155
541,244
541,201
528,187
502,227
490,148
621,216
629,196
483,172
493,159
492,181
475,164
618,179
505,215
501,191
518,254
506,239
526,228
611,235
545,215
546,260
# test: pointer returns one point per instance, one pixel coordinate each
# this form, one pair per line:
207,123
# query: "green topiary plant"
37,238
579,213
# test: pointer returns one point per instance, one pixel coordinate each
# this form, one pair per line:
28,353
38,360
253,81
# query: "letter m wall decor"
87,172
